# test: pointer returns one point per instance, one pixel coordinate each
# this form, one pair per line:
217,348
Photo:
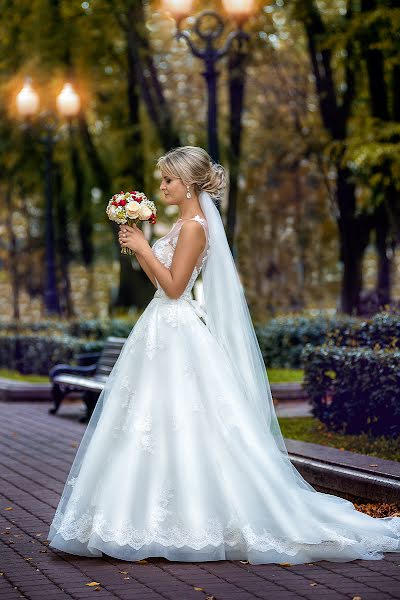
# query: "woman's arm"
190,244
146,269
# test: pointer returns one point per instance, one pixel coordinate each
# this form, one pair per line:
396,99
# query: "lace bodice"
164,249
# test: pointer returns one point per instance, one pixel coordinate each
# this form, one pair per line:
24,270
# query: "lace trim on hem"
215,535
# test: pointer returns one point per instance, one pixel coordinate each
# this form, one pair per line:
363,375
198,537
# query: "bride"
183,457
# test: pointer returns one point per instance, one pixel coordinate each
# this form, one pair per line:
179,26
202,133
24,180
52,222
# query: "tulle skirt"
173,464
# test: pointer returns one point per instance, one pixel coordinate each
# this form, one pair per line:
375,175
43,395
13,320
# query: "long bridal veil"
228,319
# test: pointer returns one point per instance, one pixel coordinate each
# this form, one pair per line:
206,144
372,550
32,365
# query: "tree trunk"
63,247
82,205
134,286
237,74
13,255
382,230
354,233
335,114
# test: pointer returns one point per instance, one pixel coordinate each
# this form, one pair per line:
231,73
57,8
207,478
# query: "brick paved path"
36,451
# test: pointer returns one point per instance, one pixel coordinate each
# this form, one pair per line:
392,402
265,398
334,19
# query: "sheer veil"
228,319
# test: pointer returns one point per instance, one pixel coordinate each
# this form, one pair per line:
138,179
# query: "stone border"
341,471
21,390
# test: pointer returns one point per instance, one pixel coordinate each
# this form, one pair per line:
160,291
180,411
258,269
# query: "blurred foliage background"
318,212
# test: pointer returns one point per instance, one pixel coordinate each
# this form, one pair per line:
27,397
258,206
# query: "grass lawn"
308,429
285,375
8,374
274,376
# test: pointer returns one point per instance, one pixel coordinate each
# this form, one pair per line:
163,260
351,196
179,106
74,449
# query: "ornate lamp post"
209,53
68,106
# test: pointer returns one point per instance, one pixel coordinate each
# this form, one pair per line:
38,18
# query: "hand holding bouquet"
129,208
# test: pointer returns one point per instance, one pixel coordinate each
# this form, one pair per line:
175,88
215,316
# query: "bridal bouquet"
129,208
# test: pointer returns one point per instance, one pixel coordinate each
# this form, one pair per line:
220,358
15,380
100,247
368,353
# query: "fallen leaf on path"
8,508
374,465
123,572
43,551
244,562
142,562
92,583
198,589
29,558
357,598
285,564
313,583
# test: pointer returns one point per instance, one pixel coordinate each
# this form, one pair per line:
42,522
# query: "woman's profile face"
173,188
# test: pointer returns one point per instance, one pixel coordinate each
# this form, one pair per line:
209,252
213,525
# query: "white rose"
112,213
132,209
145,212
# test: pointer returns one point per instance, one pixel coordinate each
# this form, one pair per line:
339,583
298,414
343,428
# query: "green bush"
92,329
99,329
38,353
41,327
283,339
382,330
354,390
40,346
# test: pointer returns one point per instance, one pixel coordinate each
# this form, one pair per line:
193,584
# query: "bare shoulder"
192,232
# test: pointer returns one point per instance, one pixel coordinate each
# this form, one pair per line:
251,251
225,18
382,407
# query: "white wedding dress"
174,464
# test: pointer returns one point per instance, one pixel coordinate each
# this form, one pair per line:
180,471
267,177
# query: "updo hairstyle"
194,166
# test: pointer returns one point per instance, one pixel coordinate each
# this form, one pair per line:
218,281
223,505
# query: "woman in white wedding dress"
183,457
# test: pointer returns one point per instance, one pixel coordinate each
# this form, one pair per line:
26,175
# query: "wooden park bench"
89,379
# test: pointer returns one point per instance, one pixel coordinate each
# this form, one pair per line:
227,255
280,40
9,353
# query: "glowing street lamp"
27,101
68,106
179,8
68,102
209,27
240,10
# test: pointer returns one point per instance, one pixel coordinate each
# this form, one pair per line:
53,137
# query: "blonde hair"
194,166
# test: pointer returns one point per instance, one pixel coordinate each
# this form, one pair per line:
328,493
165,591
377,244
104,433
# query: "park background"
307,123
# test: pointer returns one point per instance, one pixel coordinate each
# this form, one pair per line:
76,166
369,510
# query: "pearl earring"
188,194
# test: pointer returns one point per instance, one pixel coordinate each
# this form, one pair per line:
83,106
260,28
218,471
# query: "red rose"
122,202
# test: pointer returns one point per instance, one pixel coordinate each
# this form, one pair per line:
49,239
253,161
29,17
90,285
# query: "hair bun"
216,181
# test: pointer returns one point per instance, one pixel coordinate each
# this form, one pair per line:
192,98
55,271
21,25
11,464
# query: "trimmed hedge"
95,329
354,390
38,353
282,339
40,327
40,346
381,331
